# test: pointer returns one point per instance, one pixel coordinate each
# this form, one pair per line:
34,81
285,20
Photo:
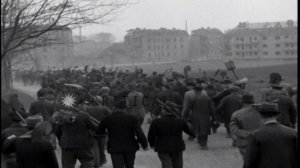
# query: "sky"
222,14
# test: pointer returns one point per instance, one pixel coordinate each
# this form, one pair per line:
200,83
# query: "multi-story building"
206,44
264,40
157,45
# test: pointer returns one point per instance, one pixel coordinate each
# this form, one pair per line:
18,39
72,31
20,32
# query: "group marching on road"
88,112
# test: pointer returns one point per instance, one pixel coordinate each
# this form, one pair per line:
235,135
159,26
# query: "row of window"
264,38
163,47
167,54
287,52
165,40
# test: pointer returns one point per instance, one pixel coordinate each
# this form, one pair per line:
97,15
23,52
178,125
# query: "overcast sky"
222,14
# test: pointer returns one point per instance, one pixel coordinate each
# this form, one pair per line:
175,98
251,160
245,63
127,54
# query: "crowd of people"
90,111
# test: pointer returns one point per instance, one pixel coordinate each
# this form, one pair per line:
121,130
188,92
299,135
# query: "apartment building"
206,44
160,45
267,40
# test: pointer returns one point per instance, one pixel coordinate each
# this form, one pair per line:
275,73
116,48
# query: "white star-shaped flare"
68,100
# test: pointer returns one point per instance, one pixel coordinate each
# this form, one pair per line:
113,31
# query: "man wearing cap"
33,150
99,112
244,122
229,105
124,135
17,128
165,135
273,145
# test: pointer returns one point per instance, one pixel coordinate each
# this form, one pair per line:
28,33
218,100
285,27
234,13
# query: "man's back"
286,108
272,146
166,134
122,132
42,107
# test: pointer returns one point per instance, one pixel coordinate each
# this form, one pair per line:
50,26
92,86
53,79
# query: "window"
174,46
237,53
149,55
287,52
237,46
168,40
255,53
181,45
286,36
277,37
292,52
255,38
287,44
265,45
149,47
174,39
242,39
292,45
277,45
250,47
237,39
162,47
163,54
167,47
168,54
277,53
250,39
264,37
181,39
266,53
149,40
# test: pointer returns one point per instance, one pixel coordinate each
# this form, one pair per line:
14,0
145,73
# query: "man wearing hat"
273,145
229,105
244,122
286,107
165,135
124,135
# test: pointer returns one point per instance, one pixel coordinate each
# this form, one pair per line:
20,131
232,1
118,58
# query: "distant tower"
186,27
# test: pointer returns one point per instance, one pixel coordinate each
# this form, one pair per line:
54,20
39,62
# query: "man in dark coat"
124,136
286,107
273,145
202,112
75,138
165,135
42,106
229,105
16,129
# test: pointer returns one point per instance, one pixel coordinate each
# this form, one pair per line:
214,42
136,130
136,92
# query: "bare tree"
27,24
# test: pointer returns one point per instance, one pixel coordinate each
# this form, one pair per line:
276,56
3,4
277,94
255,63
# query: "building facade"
264,40
161,45
206,44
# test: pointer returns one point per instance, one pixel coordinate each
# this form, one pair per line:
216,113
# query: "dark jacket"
272,146
42,107
287,109
76,135
30,154
165,134
202,113
124,132
228,106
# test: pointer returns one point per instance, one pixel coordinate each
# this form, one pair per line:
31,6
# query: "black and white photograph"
149,83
